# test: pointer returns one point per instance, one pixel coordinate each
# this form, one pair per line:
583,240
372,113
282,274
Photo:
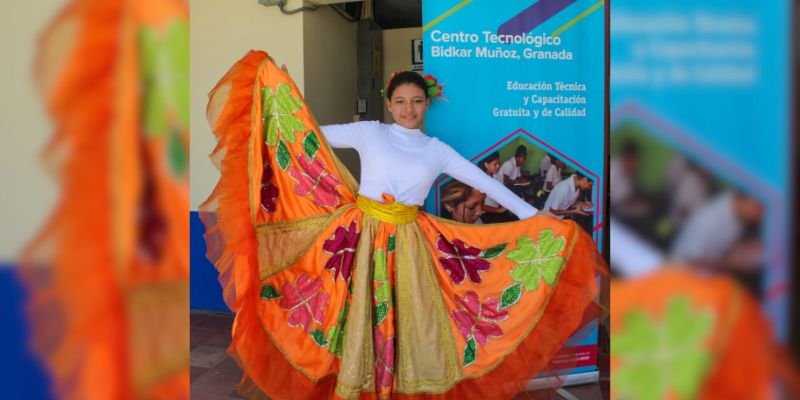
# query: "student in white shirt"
713,234
553,176
544,164
562,199
511,171
491,165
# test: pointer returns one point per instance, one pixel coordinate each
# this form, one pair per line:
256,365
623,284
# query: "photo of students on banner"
462,203
684,210
535,175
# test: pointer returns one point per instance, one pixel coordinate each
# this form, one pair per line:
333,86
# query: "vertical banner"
524,77
700,139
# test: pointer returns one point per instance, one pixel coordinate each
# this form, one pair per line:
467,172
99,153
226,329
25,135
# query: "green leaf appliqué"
278,119
268,292
659,357
311,145
164,76
511,295
337,333
383,293
470,351
391,244
282,155
164,70
538,260
336,339
380,313
319,337
380,273
494,251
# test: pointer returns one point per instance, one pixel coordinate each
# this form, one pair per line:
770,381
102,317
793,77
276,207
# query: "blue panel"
205,291
521,72
22,376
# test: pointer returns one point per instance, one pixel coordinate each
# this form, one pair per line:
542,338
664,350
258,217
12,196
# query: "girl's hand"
283,66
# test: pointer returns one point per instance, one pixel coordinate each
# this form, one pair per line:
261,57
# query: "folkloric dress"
347,295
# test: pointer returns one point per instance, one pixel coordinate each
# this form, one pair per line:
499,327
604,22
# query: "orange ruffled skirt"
341,296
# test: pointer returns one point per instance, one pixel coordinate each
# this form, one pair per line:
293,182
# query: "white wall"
28,194
330,65
222,31
397,54
330,72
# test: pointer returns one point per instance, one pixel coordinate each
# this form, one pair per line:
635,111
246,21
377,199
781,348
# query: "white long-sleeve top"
405,162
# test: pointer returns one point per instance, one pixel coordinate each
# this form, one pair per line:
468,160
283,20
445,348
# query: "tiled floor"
215,375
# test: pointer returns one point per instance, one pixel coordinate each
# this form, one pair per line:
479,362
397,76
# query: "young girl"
352,292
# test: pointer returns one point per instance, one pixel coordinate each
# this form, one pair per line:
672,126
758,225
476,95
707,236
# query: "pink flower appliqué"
269,192
461,260
479,320
313,178
342,245
304,301
384,358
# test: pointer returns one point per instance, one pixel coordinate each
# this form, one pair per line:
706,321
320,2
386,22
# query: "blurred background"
703,173
29,194
94,250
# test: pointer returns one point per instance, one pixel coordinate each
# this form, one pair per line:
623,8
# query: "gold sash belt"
391,212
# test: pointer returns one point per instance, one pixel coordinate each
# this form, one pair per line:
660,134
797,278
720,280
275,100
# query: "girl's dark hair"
403,78
488,159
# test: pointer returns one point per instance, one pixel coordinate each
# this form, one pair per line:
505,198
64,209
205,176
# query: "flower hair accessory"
433,87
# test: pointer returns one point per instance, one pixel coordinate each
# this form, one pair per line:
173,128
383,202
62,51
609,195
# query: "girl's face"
492,166
408,105
470,210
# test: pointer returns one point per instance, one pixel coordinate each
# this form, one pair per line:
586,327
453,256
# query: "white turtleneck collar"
399,128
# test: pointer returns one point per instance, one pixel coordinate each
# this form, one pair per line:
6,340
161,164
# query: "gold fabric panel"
159,342
357,365
427,360
280,245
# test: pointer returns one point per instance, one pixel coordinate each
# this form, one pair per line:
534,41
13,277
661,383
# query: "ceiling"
390,14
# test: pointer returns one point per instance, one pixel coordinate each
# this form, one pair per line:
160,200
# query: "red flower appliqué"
313,178
478,320
269,192
304,301
384,358
461,260
342,245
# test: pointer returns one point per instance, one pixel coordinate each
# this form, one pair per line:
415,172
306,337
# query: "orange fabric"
743,363
95,300
262,192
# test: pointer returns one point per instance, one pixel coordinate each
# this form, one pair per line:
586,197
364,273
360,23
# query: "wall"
29,194
221,33
397,54
329,55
